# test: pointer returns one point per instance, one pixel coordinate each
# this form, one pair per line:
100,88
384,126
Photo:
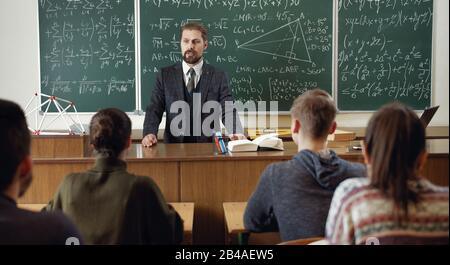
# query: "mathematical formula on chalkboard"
384,53
272,50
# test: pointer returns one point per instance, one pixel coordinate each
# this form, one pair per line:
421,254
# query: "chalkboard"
87,52
384,53
271,49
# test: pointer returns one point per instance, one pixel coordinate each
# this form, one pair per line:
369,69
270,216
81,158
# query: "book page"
261,138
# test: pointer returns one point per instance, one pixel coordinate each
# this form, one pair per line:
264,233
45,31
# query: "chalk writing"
87,51
256,42
384,53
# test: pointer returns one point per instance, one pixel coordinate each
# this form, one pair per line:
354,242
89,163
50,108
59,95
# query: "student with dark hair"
111,205
294,196
18,226
394,205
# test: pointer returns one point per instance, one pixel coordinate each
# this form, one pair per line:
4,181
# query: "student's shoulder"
69,179
74,177
354,169
143,183
280,169
353,185
56,226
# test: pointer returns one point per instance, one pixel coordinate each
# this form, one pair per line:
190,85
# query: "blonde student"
294,196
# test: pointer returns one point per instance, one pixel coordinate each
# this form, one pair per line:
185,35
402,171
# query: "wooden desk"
53,146
234,223
235,231
186,212
184,209
35,207
432,132
193,173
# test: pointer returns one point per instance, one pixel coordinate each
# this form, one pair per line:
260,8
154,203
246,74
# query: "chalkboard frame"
140,109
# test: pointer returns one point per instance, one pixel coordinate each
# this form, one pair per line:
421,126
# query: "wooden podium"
54,146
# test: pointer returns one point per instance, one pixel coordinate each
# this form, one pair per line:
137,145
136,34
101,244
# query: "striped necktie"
191,83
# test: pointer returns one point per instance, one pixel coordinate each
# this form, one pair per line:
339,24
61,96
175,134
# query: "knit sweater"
360,214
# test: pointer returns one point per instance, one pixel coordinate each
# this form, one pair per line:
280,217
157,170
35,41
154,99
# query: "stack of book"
254,133
340,138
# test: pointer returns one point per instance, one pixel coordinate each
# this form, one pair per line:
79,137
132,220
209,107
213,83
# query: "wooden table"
193,173
184,209
235,232
186,212
432,132
234,222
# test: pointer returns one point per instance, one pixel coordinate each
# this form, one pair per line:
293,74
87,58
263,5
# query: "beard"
192,58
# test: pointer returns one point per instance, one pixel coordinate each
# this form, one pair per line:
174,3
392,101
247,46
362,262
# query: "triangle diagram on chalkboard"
287,41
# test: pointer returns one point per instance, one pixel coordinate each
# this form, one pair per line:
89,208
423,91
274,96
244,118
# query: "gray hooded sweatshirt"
294,197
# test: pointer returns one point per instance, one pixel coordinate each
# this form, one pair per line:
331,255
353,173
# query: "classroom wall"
19,63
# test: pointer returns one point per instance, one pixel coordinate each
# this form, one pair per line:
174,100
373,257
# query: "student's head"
15,161
194,40
110,132
394,149
313,115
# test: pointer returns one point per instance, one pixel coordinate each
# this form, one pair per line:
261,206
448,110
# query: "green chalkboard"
384,53
87,53
272,50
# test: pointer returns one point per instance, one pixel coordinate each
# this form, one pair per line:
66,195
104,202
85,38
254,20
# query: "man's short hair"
316,111
195,26
14,141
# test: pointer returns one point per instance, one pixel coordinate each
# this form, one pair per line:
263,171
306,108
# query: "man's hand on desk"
149,140
237,136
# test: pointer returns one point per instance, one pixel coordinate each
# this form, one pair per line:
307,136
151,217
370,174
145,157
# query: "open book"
267,141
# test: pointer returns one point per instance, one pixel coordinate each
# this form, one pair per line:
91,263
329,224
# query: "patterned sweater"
360,214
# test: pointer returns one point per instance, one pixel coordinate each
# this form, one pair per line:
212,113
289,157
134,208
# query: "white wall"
19,62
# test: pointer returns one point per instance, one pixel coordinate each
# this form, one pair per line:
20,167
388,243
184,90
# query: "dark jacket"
294,196
111,206
19,226
170,87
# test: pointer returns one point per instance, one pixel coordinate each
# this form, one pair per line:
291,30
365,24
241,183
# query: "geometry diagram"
286,41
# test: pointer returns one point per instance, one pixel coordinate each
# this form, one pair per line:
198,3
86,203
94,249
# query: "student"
183,82
394,205
109,204
294,196
18,226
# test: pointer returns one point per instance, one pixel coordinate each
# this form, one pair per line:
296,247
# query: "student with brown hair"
394,205
19,226
294,196
109,204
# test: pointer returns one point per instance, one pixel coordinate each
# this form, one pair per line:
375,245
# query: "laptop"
428,114
426,117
